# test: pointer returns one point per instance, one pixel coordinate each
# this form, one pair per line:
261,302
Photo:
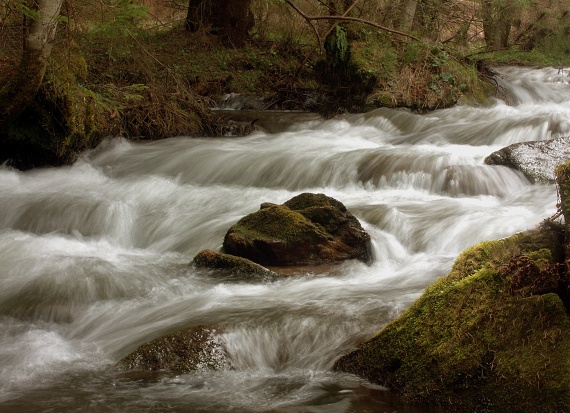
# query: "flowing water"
94,257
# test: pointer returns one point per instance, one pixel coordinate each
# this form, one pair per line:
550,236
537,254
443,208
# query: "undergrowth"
143,78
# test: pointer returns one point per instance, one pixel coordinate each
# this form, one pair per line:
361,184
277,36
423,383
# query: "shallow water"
94,257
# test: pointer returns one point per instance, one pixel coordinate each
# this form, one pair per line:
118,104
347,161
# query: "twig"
343,15
309,21
352,19
498,49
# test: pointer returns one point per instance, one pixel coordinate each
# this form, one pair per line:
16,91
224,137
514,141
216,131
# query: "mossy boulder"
307,229
483,338
194,349
231,265
64,119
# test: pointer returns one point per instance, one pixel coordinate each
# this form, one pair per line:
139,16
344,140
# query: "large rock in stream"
536,160
308,229
491,336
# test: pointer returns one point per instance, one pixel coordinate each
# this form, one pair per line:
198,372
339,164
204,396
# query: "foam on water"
94,257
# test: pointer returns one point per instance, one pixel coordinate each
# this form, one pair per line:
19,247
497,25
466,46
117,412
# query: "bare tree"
40,23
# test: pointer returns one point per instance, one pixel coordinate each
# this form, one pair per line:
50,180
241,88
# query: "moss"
417,75
309,200
373,54
322,231
280,223
337,49
468,343
63,120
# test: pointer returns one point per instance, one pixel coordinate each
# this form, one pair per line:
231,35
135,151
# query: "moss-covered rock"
194,349
308,229
479,339
64,119
231,265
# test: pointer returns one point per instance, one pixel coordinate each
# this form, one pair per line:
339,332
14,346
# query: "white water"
94,257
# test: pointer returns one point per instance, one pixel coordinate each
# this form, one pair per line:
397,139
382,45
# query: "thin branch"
367,22
353,19
306,59
457,33
153,57
498,49
308,21
329,31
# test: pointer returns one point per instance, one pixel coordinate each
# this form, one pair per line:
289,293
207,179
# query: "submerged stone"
482,338
536,160
307,229
194,349
230,265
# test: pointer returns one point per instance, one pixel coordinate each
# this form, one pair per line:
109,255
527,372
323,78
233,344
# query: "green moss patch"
469,343
280,224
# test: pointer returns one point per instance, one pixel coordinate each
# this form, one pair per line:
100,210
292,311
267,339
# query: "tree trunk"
408,14
332,8
230,19
337,8
40,30
198,11
236,21
497,24
427,18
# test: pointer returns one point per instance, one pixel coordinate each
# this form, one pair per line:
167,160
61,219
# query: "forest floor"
174,67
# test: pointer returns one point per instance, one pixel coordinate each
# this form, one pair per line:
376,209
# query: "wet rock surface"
195,349
536,160
307,229
230,265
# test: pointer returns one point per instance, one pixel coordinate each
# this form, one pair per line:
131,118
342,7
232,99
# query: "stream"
94,257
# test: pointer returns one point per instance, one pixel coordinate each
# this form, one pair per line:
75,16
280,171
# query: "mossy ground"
421,76
472,344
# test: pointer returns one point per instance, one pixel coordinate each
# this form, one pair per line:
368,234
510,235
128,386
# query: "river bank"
163,83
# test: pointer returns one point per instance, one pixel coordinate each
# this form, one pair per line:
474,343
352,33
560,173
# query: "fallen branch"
498,49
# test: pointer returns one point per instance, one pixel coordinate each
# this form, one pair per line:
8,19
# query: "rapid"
94,257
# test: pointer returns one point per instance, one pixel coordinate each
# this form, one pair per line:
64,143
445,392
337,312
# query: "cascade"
94,256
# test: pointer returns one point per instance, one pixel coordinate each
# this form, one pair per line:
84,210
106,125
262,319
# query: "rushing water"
94,257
